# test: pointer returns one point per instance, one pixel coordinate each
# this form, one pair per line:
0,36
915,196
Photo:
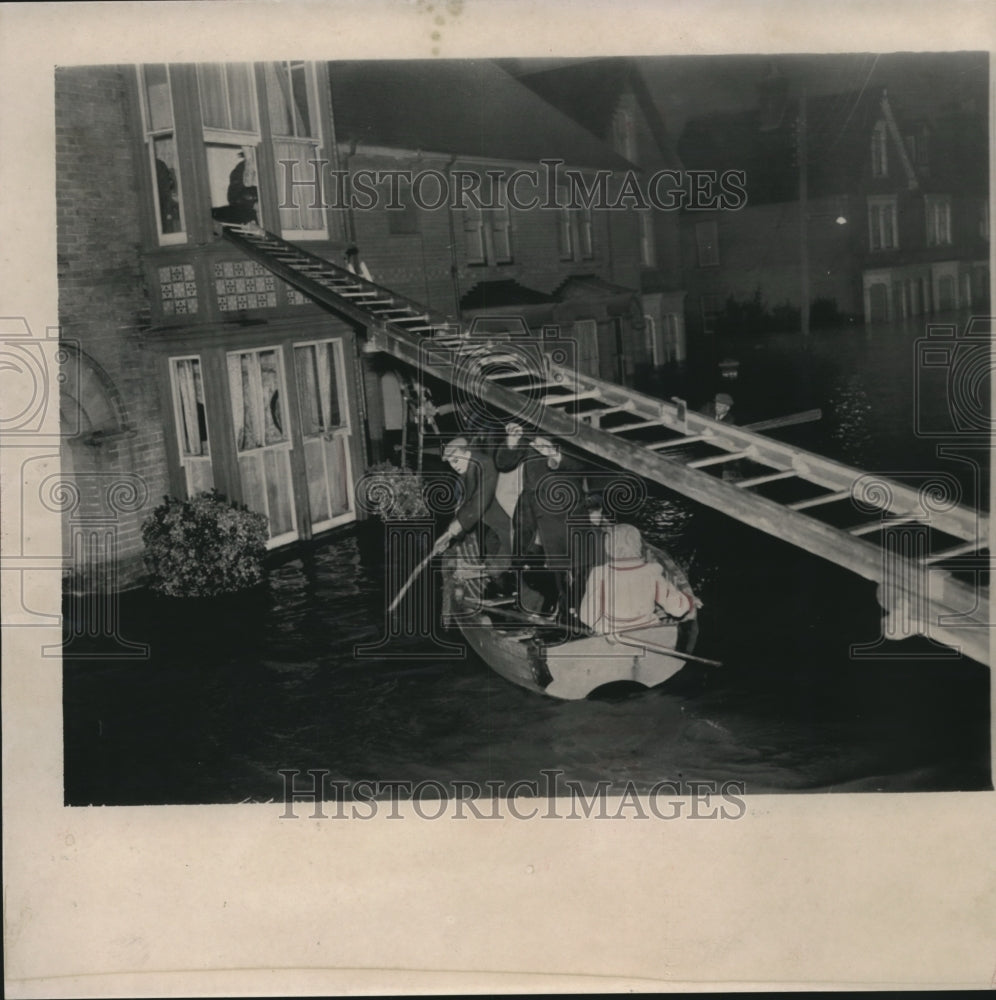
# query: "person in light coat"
626,590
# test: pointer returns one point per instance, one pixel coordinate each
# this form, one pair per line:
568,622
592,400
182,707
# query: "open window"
231,136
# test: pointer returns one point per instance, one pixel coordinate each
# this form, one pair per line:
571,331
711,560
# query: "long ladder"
653,438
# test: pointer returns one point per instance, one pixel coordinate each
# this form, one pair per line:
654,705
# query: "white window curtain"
186,375
307,390
293,155
274,425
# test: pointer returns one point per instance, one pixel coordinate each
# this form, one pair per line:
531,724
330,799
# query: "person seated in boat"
626,591
478,513
550,494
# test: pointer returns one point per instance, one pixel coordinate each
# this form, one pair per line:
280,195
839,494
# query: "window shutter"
473,228
587,235
502,234
564,233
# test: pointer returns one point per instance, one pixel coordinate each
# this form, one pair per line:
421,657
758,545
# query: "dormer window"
879,151
625,129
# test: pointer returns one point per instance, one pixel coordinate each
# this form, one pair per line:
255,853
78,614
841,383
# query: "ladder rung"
410,319
688,439
656,422
816,501
359,295
572,398
627,407
958,550
496,376
769,478
867,529
537,385
418,329
701,463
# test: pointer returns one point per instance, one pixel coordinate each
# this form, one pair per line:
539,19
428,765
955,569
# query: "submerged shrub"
204,546
394,494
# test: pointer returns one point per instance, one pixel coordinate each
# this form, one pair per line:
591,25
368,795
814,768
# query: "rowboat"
537,654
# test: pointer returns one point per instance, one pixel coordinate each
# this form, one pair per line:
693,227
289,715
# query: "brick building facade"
198,367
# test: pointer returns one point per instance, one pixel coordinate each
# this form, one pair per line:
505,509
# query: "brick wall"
420,264
102,298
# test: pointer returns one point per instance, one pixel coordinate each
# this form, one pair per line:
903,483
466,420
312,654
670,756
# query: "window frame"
575,229
880,149
150,134
180,425
316,140
876,232
937,214
489,226
648,248
709,316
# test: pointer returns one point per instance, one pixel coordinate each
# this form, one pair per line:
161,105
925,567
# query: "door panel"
262,438
322,389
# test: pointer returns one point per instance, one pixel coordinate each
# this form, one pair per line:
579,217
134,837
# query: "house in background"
199,368
896,208
610,98
576,269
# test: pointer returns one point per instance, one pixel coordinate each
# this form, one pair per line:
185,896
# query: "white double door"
264,436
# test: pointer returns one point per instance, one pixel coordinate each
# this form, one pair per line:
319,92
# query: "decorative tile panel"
244,284
178,290
294,297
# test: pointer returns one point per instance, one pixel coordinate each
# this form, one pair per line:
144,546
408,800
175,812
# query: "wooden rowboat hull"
575,668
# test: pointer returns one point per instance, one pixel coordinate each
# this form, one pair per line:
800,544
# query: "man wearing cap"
720,408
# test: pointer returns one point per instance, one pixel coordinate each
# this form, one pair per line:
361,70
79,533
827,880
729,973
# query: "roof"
764,145
500,295
588,91
586,285
468,107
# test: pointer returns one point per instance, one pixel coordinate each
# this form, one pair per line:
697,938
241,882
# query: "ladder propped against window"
892,533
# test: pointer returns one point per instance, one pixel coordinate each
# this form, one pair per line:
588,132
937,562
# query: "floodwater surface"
233,694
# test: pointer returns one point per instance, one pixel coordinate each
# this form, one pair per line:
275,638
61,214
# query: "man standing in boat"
551,494
625,591
478,514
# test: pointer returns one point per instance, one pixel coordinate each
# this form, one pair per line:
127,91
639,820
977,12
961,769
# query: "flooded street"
230,698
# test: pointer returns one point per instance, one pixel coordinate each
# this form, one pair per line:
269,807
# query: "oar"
656,647
404,590
666,650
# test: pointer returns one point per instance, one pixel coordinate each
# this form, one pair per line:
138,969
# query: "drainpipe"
454,269
348,192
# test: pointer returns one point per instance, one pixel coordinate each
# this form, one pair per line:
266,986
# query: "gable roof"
588,91
838,133
468,107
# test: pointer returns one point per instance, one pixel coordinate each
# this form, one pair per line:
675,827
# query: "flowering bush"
396,494
204,546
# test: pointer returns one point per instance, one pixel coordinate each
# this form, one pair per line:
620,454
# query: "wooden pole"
404,590
805,417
